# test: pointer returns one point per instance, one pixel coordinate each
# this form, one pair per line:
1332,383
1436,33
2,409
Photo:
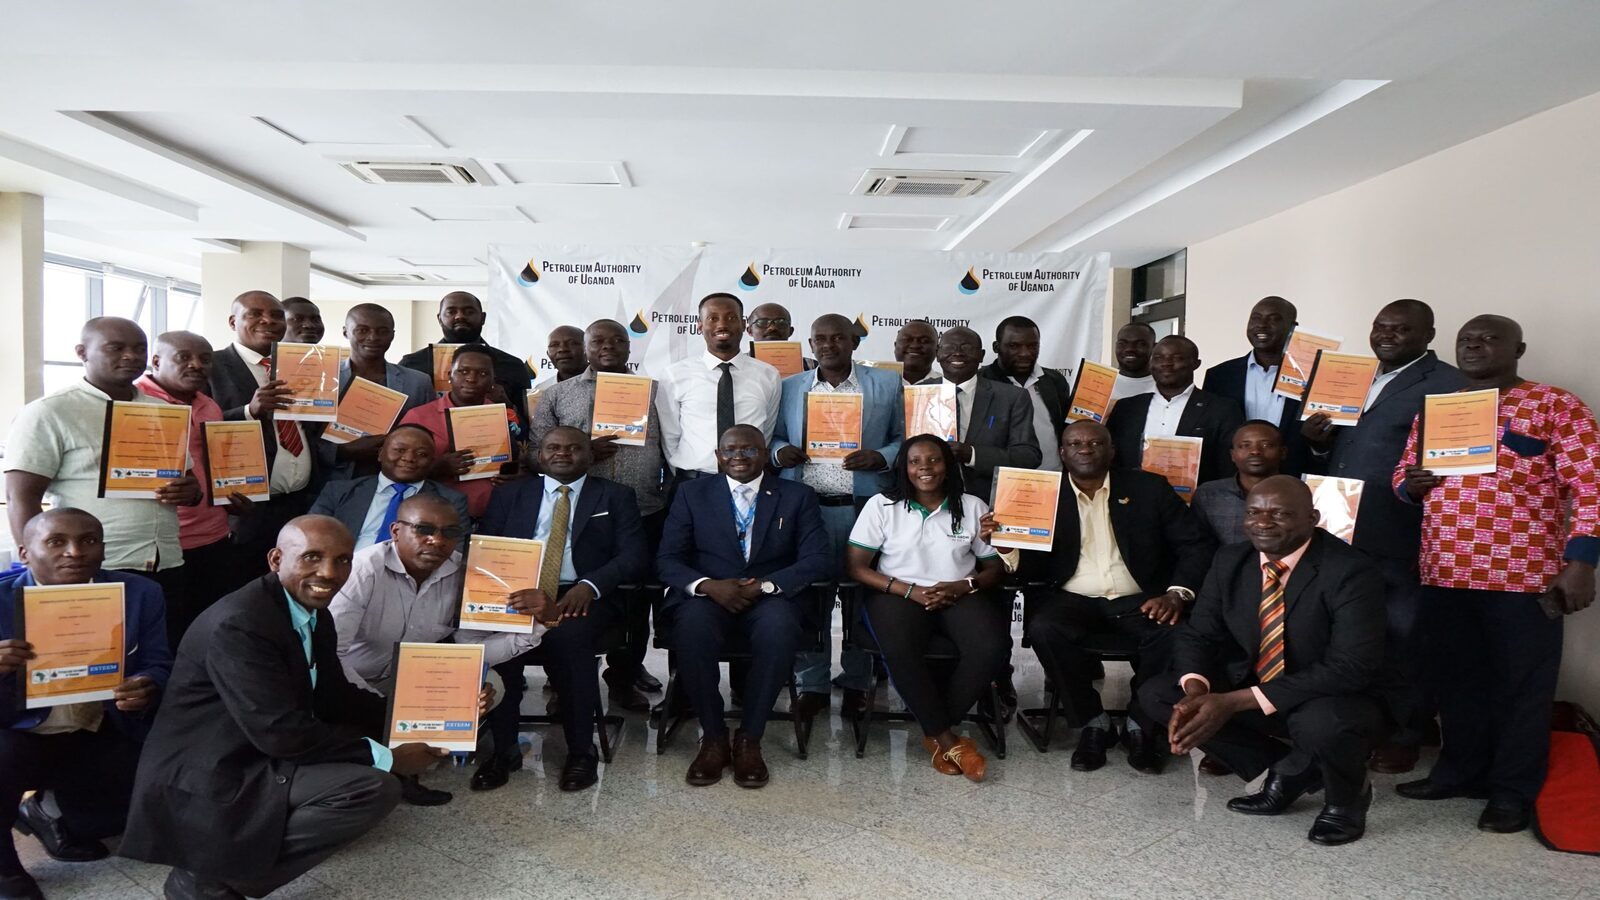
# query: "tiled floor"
889,826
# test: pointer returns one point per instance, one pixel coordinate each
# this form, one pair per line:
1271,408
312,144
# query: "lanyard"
742,522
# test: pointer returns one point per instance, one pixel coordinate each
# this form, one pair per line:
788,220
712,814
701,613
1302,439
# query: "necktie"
390,514
744,512
961,414
724,400
288,432
1269,661
555,544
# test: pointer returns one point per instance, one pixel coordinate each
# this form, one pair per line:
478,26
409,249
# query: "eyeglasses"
741,453
428,529
769,323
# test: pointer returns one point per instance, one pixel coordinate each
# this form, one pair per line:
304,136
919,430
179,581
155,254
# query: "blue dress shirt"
303,621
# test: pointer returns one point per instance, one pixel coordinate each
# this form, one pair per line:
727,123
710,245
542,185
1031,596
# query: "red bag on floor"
1568,809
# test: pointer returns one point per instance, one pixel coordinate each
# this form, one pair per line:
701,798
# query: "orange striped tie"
1269,661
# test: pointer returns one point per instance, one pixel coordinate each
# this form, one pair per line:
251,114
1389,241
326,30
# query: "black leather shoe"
580,771
647,682
1277,794
1145,754
495,771
853,705
19,885
1428,789
1008,698
809,704
1337,825
185,885
629,698
53,834
1091,752
552,705
414,792
1505,817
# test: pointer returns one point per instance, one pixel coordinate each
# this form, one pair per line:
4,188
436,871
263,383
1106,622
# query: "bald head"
258,321
1086,450
1487,350
1279,516
63,546
312,559
770,322
914,347
960,352
564,349
114,352
303,321
181,364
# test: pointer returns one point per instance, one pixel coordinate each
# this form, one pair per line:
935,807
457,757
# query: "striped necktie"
555,544
1269,660
288,432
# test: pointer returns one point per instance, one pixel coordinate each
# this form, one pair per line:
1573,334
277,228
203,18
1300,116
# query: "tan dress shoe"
967,758
945,766
715,755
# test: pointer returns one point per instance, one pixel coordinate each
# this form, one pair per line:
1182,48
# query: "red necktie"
1269,661
288,432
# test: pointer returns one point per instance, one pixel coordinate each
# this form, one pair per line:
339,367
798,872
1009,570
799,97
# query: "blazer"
1386,526
1333,625
418,389
1161,541
1054,388
788,545
349,501
239,717
232,386
1205,416
608,540
1226,379
1000,432
883,415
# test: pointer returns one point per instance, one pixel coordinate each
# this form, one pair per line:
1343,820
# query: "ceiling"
161,130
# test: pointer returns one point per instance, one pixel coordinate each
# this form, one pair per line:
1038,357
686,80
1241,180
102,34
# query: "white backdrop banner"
654,292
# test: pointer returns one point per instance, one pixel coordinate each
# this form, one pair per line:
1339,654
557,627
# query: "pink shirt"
432,417
203,524
1290,561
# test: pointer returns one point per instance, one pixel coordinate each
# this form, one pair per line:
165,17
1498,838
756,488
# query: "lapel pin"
1124,500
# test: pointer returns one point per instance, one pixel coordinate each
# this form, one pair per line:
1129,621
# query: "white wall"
1506,223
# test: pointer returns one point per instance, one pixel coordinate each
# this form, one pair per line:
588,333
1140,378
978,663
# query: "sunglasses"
427,529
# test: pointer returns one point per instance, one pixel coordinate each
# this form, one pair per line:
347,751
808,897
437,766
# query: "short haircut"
404,425
1193,347
1014,322
1416,306
480,349
1145,325
720,296
300,300
372,308
1256,423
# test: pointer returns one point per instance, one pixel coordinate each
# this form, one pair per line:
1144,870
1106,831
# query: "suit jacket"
1054,388
1205,416
608,540
232,386
1161,541
1000,431
1334,624
349,501
788,545
418,389
239,717
1386,525
883,416
1226,379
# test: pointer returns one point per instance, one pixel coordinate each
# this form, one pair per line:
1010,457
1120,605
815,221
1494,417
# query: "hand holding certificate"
236,460
1025,508
1176,459
498,567
1338,386
833,427
621,408
931,409
435,696
368,408
146,446
1299,355
485,431
1091,393
77,632
310,373
781,355
1459,434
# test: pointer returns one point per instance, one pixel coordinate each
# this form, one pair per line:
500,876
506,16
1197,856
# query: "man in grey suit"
368,506
995,420
1388,530
370,330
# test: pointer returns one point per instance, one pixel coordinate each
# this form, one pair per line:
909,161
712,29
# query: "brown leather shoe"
810,703
1213,766
749,769
1392,759
945,766
714,756
966,756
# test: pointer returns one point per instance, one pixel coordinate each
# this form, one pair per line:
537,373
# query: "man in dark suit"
461,319
368,506
370,330
1247,380
594,543
1016,348
1389,530
995,420
1176,408
1285,641
1127,559
260,765
740,551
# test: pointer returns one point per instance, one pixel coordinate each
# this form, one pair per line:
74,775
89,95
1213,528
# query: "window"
76,291
66,308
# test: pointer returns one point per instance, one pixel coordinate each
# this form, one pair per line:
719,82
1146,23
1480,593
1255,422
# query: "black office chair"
1104,646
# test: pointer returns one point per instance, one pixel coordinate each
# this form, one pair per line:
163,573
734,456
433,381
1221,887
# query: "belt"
836,500
691,474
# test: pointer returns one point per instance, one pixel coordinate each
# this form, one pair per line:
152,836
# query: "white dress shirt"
686,404
1383,379
380,505
289,473
733,488
1047,432
1259,400
1162,419
1128,386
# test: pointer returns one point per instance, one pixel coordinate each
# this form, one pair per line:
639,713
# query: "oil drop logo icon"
638,327
859,329
529,274
749,281
969,283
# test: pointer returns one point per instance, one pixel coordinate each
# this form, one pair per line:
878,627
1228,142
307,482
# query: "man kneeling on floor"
1285,642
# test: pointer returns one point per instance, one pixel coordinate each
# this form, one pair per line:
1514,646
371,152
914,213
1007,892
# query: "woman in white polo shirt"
928,570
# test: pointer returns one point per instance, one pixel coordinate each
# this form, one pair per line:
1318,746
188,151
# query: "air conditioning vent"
405,172
920,183
391,277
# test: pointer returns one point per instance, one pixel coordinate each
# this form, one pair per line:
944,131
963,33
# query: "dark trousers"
209,574
980,627
623,666
567,652
1495,658
1405,648
173,599
330,805
1060,624
1335,734
90,773
700,631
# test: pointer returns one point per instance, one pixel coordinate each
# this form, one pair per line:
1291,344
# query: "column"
21,301
282,270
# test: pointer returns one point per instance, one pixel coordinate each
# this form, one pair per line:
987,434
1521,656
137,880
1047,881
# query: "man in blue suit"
1248,379
841,489
739,551
79,758
368,506
599,547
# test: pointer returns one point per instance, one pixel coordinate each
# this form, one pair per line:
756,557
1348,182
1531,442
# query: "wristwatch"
768,587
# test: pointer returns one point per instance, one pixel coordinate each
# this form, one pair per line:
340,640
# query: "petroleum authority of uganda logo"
969,283
638,327
529,274
749,281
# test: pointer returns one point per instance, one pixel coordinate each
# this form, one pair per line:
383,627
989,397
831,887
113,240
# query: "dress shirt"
1288,562
964,399
547,514
381,498
1164,415
290,473
1220,504
303,621
686,403
1047,432
1128,386
1383,379
381,604
733,488
432,417
830,480
1101,570
61,437
1259,400
571,403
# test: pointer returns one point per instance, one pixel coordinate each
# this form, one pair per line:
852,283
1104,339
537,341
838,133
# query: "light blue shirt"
380,505
547,511
1259,400
303,621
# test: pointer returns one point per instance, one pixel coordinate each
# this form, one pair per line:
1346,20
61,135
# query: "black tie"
725,399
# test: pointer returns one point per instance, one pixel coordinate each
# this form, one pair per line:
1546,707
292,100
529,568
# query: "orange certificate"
899,368
621,407
781,355
442,354
485,431
236,461
435,695
1338,386
77,632
1177,459
146,446
498,567
931,409
312,375
1299,355
1025,508
367,408
1091,393
1338,500
833,426
1460,433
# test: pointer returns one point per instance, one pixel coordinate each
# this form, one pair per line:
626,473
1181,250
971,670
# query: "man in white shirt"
1135,341
701,397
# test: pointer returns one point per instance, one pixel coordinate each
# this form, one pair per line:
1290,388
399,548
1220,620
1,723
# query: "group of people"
245,745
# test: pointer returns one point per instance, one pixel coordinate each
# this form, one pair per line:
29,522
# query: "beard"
463,335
